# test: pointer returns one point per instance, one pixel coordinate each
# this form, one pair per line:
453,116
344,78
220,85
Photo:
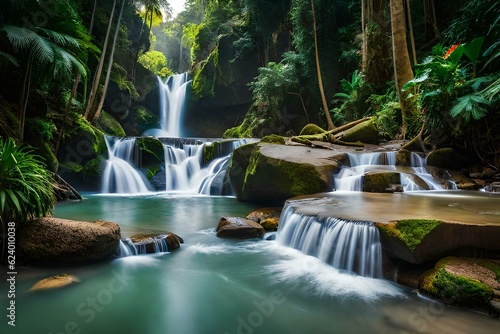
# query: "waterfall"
151,245
350,178
120,174
172,98
353,246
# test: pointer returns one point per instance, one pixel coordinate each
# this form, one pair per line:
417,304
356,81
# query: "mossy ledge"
410,231
440,282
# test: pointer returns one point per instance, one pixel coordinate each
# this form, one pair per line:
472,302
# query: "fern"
471,105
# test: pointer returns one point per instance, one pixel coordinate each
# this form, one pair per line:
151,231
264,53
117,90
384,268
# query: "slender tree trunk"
318,70
66,111
23,102
110,65
92,18
97,76
410,27
363,34
402,65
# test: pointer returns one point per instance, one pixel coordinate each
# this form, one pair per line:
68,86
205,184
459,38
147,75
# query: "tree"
402,66
318,71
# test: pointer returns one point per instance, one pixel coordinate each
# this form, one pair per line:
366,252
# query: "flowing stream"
213,285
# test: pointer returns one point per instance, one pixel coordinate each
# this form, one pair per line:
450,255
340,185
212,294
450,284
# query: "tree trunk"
92,18
410,27
110,65
402,65
318,70
23,101
97,76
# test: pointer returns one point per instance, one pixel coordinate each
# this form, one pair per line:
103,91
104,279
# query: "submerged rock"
241,228
57,240
152,242
54,282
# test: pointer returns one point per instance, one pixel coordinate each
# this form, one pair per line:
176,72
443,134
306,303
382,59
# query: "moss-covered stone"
94,168
109,125
443,283
380,182
410,231
311,129
403,158
365,132
448,158
273,139
151,149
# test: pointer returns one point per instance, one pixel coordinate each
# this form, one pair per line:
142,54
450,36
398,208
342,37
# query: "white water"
353,246
350,178
129,248
172,99
120,174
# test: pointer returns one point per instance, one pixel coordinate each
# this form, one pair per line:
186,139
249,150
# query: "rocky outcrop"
268,218
240,228
272,173
55,240
365,132
421,241
467,282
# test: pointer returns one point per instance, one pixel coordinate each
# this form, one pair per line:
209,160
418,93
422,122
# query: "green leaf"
473,49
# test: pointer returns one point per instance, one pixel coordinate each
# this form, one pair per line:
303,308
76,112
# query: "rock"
493,187
365,132
54,282
381,182
447,158
57,240
461,281
426,242
269,218
153,242
241,228
270,173
495,307
311,129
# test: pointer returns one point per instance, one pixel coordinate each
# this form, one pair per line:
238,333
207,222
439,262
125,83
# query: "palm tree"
43,48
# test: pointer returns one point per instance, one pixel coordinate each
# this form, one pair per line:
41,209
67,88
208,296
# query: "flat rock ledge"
55,240
240,228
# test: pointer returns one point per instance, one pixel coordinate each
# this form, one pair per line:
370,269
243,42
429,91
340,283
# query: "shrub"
25,185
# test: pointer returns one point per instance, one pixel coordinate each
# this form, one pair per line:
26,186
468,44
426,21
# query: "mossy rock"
94,168
403,158
144,119
109,125
410,231
269,173
311,129
380,182
448,158
459,281
151,149
365,132
273,139
45,151
269,218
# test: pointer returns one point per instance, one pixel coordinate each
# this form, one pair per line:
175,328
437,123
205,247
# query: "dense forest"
74,70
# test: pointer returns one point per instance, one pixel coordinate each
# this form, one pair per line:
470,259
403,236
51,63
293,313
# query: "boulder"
467,282
448,158
365,132
381,182
54,282
57,240
271,173
240,228
419,241
269,218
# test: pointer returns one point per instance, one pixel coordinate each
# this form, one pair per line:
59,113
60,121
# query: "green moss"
73,166
98,143
273,139
494,266
110,125
94,167
438,282
205,75
380,182
410,231
365,132
311,129
152,147
208,152
145,119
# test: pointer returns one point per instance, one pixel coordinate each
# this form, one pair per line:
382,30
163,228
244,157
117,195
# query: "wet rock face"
55,240
268,218
240,228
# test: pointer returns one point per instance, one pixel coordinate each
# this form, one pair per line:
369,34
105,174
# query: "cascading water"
353,246
120,174
172,98
128,248
417,177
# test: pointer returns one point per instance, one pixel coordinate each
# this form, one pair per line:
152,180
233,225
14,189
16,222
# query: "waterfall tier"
353,246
